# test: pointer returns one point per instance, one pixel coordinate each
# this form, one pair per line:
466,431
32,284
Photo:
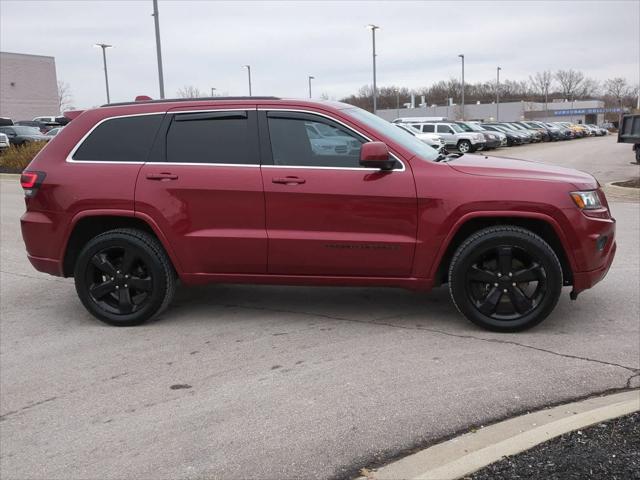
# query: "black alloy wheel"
505,278
119,280
124,277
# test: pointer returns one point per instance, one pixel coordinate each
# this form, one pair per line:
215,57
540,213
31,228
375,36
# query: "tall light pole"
248,67
156,19
498,94
373,29
311,77
104,47
462,57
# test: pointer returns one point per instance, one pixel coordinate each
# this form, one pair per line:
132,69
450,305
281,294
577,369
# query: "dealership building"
28,86
579,111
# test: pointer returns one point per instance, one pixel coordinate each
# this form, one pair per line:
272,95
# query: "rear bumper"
51,266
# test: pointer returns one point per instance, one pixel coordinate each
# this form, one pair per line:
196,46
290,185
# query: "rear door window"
123,139
213,137
428,128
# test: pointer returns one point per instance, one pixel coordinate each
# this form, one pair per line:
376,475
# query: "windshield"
473,127
456,128
22,130
394,133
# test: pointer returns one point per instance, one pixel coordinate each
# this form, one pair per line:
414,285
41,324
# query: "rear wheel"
124,277
505,279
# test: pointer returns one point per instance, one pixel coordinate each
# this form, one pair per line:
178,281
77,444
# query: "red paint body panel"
340,227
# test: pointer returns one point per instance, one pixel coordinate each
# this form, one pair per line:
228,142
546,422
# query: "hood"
522,169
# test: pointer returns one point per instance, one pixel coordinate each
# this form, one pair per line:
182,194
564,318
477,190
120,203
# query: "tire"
464,146
505,279
124,277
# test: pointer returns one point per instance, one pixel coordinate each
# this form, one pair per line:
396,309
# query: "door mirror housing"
376,155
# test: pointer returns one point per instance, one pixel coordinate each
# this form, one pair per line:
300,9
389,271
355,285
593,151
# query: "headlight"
586,200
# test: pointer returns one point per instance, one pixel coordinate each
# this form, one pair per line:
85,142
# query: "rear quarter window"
124,139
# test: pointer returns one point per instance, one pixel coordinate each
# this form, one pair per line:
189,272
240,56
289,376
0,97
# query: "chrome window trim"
70,159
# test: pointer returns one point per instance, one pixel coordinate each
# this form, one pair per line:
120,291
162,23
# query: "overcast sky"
205,43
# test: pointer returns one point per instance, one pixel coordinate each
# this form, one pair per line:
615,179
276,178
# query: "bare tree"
541,83
589,88
189,91
570,82
618,88
65,98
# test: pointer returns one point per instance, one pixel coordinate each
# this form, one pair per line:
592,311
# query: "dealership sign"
585,111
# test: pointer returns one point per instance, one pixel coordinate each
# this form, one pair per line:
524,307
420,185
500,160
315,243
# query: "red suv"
130,197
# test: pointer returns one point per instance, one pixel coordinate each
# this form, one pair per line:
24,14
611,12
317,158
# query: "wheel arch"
544,226
87,224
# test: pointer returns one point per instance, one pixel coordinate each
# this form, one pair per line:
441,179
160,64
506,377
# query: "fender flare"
502,213
105,212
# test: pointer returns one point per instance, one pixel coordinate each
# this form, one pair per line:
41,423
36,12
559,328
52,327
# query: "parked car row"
471,136
42,124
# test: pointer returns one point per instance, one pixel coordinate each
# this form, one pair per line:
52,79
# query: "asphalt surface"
283,382
602,157
608,450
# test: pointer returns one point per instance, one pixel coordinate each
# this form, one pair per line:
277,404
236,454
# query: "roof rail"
199,99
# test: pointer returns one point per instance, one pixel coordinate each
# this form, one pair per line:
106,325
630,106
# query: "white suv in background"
452,135
431,139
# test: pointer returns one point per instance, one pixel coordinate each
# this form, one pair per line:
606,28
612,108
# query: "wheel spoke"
519,300
102,263
531,274
100,290
142,284
490,303
127,260
481,275
505,259
124,300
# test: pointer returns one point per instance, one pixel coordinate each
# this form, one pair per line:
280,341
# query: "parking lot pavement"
602,157
283,382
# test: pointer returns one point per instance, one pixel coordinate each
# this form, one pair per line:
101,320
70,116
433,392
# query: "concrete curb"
470,452
616,192
9,176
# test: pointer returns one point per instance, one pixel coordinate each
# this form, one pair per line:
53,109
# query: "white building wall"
28,86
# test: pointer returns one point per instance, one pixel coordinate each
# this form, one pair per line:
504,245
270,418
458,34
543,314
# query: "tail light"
31,182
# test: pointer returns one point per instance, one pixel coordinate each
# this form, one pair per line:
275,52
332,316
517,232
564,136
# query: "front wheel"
505,279
124,277
464,146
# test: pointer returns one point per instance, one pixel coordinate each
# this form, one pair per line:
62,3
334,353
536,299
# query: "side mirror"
376,155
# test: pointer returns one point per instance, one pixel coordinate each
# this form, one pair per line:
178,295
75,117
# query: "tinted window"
311,143
444,129
6,130
216,137
126,139
428,128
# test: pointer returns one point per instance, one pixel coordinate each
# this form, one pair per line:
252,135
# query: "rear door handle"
161,176
288,180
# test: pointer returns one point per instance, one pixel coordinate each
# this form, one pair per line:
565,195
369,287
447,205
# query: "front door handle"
162,176
288,180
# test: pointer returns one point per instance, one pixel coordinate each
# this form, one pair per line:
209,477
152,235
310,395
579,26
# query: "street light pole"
462,57
248,67
104,47
156,19
311,77
373,29
498,94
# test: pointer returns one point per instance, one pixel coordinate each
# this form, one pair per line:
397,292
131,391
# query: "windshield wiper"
448,157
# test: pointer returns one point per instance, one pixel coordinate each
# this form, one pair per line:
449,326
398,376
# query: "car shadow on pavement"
385,306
